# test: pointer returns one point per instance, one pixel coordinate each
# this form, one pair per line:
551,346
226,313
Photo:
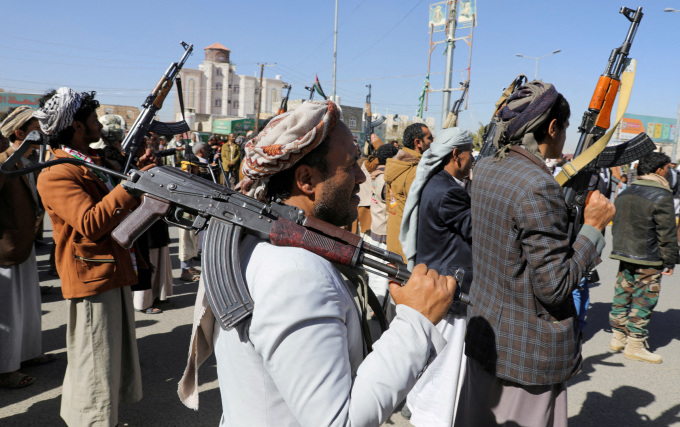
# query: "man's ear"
553,129
78,126
306,179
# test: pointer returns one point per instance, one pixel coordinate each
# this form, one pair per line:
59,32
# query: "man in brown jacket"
400,171
96,272
20,317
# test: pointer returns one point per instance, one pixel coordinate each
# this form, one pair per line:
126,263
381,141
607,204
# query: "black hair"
559,111
87,107
412,132
281,183
23,127
385,152
651,162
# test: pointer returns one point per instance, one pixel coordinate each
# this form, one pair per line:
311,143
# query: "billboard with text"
662,130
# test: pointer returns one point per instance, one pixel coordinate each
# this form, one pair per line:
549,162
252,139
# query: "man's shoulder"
262,256
517,171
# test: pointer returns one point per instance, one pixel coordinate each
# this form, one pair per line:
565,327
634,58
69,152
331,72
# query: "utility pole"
335,49
450,32
259,97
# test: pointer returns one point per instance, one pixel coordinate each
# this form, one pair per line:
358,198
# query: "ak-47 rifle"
284,102
452,117
369,123
145,122
167,192
488,147
592,152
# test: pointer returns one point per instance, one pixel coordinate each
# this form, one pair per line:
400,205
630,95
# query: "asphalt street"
609,391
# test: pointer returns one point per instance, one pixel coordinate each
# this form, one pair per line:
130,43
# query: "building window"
256,91
192,88
235,104
218,71
229,101
274,96
235,88
218,103
352,122
218,86
229,86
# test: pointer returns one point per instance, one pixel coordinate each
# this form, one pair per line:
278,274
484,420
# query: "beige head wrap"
285,140
15,120
58,112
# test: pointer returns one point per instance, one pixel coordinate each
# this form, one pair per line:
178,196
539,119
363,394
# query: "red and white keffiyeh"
284,141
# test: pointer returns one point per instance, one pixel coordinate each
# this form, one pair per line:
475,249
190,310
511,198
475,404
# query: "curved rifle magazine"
224,285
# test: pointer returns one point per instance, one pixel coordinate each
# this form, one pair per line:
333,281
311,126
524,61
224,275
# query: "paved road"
610,391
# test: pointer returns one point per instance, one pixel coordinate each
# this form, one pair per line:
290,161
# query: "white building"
217,90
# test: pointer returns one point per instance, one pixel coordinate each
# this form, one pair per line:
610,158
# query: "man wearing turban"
523,340
436,230
96,272
20,213
301,359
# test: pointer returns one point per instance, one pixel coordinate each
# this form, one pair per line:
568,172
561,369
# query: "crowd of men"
496,231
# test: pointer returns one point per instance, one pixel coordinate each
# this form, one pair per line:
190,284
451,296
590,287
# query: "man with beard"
400,171
301,359
96,272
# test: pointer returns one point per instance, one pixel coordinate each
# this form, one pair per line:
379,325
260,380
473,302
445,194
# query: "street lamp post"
677,123
537,58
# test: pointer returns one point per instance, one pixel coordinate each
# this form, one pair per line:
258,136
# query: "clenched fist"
599,211
426,292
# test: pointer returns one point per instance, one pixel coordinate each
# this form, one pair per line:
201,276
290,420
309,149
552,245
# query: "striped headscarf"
284,141
58,112
15,120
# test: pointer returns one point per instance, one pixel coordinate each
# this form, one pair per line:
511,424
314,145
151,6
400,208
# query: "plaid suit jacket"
523,326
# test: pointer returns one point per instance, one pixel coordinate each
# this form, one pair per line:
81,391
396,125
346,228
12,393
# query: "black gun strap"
181,96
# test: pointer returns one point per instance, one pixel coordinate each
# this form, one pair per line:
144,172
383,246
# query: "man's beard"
334,207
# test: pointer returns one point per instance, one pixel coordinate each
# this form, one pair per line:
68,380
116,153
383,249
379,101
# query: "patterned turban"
58,112
15,120
286,139
524,112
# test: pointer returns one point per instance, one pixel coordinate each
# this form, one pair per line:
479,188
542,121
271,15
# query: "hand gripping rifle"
145,122
590,156
168,193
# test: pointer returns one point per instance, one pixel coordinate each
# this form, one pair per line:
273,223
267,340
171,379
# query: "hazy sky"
120,49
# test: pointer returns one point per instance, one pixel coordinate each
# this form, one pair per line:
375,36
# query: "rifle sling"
178,80
570,169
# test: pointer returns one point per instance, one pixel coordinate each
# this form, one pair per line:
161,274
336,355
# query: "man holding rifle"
84,206
523,340
304,357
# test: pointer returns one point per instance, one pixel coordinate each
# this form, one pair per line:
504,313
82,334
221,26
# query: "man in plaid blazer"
523,340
